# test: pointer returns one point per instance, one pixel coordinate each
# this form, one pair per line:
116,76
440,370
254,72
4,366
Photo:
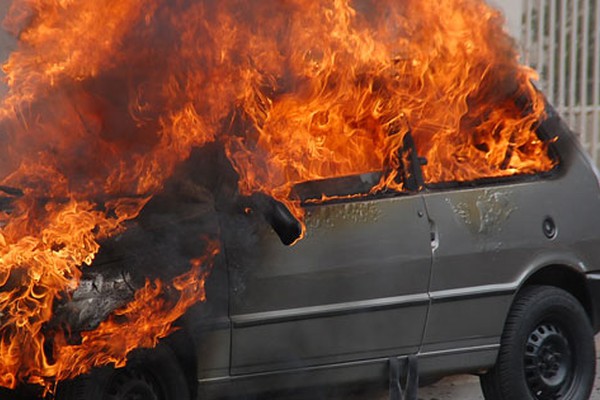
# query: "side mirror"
7,197
283,222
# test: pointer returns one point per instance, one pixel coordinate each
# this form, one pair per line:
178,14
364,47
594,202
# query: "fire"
107,97
140,324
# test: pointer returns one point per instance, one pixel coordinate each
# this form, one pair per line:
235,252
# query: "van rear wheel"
151,375
547,349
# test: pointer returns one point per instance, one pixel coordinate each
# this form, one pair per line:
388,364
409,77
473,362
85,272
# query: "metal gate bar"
561,40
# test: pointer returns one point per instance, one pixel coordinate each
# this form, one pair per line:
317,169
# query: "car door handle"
433,235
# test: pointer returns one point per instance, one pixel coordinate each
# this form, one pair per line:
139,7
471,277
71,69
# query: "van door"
485,237
354,288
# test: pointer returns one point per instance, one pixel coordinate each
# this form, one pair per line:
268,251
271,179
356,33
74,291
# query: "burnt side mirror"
281,219
7,197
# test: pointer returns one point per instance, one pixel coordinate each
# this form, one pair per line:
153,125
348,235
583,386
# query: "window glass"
340,188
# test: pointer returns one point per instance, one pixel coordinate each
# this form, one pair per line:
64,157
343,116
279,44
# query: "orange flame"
106,97
140,324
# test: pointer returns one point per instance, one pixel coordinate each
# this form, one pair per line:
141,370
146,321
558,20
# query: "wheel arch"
184,349
565,277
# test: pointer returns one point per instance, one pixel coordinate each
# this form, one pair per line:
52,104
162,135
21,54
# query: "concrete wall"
513,11
6,43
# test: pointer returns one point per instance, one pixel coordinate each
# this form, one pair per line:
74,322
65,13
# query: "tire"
150,375
546,352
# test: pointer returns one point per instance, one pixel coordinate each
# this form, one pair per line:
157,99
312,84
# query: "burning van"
205,198
494,277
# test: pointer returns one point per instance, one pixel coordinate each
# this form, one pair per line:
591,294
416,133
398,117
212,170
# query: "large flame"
106,97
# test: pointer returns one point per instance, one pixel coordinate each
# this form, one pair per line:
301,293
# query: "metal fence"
561,40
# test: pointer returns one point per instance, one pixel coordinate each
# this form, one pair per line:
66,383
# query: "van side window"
346,187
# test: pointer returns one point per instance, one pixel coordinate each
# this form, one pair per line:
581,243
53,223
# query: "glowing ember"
106,97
